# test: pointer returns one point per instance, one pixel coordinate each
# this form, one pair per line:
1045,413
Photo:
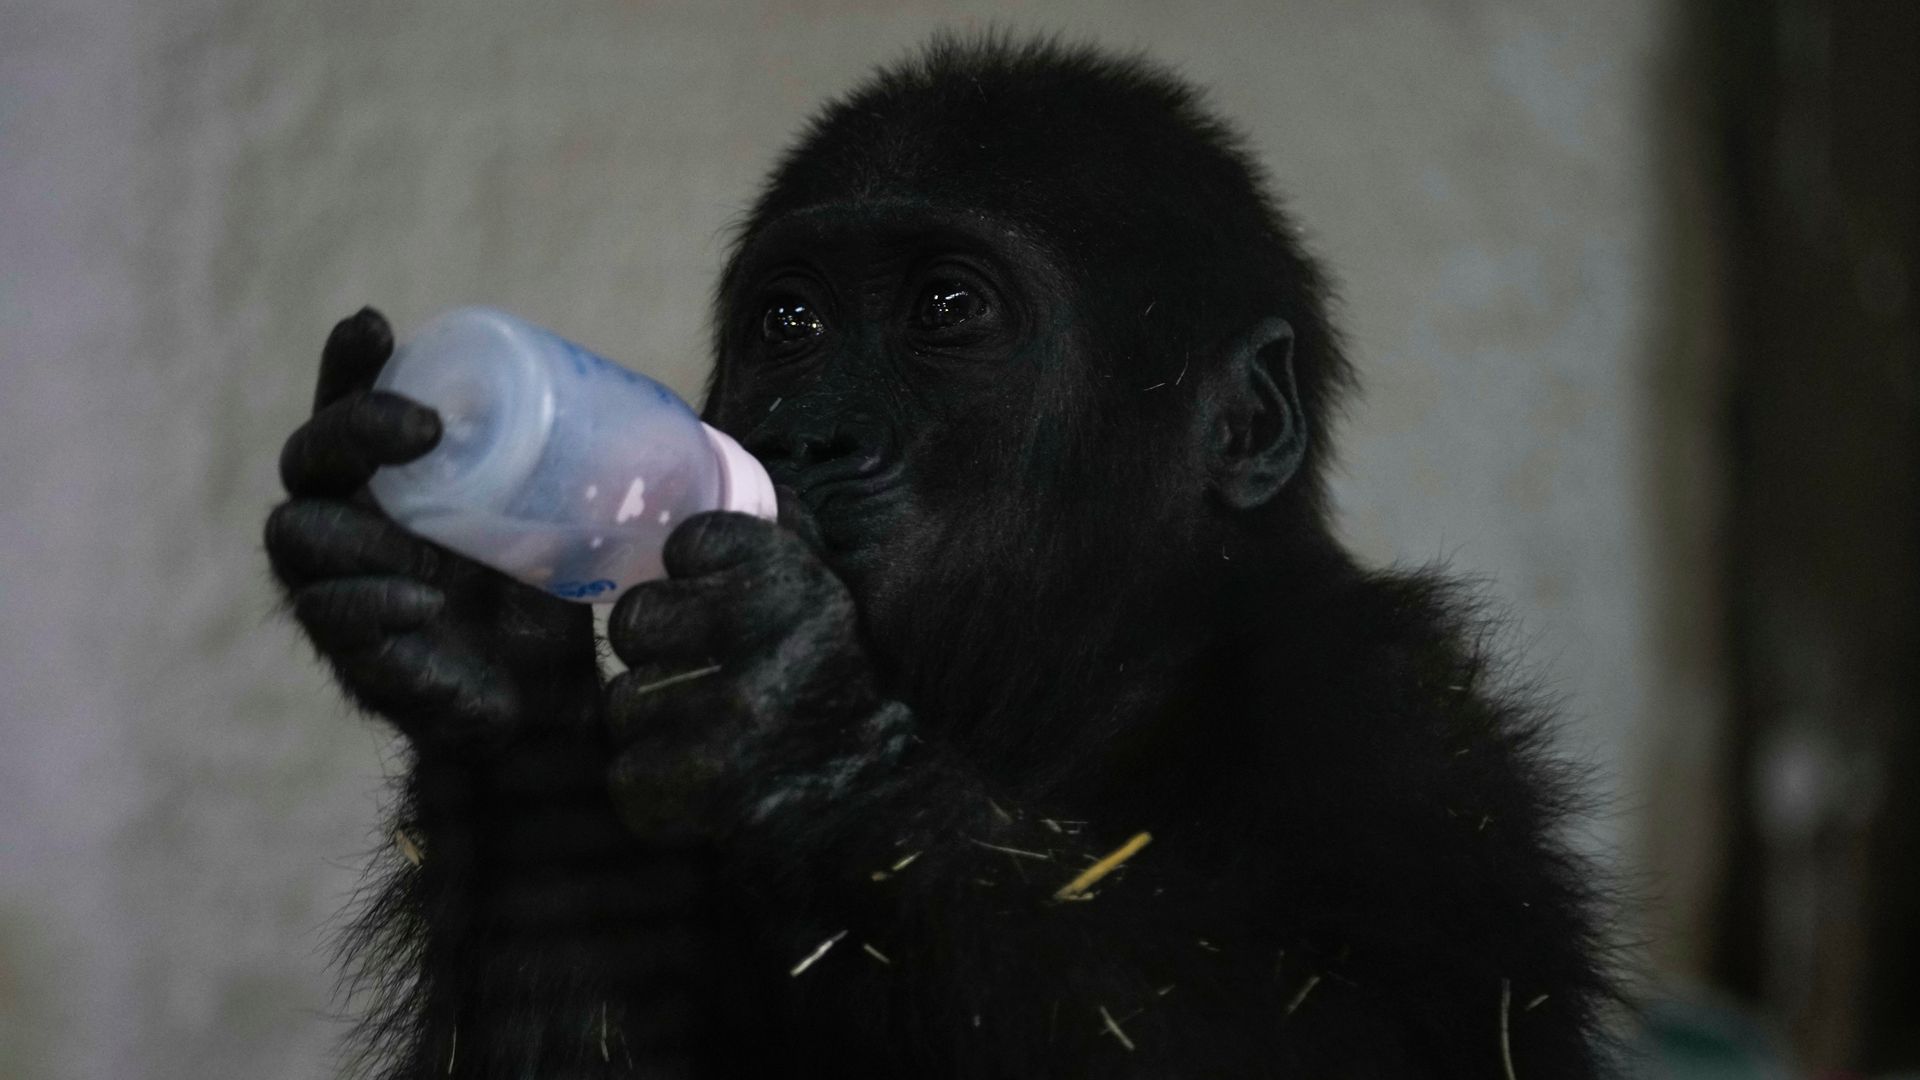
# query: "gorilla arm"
912,903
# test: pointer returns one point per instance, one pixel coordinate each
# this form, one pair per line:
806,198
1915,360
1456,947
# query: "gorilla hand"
747,689
454,654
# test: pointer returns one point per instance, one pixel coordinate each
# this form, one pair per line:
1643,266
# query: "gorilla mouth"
853,513
840,489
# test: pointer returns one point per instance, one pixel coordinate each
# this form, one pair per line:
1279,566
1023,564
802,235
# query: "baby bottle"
554,465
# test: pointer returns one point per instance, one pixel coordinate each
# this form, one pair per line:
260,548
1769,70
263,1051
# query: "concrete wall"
193,191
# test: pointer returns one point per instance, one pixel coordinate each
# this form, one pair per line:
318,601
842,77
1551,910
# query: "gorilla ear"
1258,434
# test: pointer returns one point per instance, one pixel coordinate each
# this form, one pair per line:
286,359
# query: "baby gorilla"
1049,734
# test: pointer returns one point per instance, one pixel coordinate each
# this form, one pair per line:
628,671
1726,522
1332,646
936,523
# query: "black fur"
1055,574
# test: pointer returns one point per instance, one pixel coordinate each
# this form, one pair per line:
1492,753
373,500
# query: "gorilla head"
1022,328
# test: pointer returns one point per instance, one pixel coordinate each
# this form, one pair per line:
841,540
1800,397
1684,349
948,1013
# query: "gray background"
193,191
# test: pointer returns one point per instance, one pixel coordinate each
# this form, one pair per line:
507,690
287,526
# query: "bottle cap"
745,485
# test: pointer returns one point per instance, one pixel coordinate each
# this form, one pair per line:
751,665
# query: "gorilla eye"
790,322
948,304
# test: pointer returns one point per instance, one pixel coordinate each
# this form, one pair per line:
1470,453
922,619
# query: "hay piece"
1024,854
1113,1026
816,954
1301,994
408,847
875,953
675,680
898,865
1102,868
1506,1043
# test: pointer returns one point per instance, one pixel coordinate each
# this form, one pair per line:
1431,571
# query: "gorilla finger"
727,615
313,539
337,450
712,542
777,569
355,352
666,702
671,620
430,689
346,614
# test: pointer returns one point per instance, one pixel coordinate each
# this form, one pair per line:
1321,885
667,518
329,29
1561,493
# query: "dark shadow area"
1815,106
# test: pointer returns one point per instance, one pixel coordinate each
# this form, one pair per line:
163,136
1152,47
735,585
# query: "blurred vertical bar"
1817,107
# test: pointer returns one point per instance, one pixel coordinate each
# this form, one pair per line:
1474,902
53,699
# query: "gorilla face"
914,376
